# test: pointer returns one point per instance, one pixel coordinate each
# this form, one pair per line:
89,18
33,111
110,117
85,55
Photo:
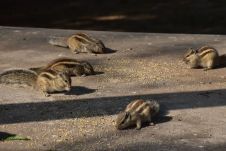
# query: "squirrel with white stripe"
47,81
69,66
136,113
205,57
79,43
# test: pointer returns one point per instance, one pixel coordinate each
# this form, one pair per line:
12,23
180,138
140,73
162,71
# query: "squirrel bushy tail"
18,77
155,106
58,41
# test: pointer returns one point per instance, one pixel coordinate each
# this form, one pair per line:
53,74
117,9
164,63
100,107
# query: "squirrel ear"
193,51
189,50
128,115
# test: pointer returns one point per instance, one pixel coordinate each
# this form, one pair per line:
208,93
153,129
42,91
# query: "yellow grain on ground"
141,70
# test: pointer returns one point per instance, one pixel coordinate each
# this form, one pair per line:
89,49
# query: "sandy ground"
144,66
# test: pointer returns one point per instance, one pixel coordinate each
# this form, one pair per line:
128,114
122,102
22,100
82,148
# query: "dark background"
171,16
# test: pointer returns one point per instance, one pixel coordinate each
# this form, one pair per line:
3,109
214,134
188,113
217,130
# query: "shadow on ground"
187,16
79,90
42,111
5,135
168,144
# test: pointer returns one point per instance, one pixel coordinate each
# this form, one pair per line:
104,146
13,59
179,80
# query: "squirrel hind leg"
138,124
44,91
209,66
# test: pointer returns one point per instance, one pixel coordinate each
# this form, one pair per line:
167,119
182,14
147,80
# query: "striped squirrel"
136,113
79,42
47,81
69,66
206,57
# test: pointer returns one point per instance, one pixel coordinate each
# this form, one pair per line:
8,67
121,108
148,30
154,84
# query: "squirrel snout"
68,88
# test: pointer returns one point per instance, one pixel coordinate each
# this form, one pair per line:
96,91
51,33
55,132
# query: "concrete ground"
144,65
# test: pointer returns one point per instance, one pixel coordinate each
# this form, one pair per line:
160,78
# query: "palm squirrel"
79,42
69,66
206,57
136,113
47,81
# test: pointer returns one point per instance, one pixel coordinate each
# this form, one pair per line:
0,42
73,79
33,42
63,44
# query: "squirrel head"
63,81
88,68
123,120
190,54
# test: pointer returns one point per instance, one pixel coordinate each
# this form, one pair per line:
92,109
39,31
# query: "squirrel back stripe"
142,107
49,74
67,65
82,39
62,61
203,48
133,105
207,51
85,36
